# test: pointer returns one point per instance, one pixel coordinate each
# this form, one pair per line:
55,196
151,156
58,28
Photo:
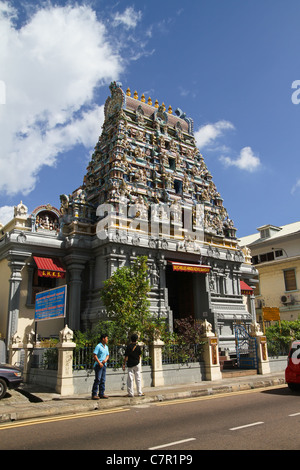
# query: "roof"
245,289
49,267
284,231
149,110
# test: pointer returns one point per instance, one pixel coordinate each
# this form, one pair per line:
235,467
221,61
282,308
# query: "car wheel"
3,388
293,387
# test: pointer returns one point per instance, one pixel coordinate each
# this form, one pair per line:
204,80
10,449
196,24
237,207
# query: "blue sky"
230,65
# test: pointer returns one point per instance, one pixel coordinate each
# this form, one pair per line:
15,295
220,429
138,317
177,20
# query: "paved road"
253,419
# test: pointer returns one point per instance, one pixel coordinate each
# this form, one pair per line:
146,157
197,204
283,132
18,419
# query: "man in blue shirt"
101,355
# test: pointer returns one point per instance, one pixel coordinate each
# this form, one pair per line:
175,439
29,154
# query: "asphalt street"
254,419
254,412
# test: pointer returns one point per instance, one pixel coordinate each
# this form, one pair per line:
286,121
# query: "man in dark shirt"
132,357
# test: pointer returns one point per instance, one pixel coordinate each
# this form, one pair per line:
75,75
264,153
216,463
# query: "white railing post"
64,383
210,353
262,350
156,359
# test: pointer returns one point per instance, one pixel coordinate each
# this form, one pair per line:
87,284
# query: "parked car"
292,371
10,378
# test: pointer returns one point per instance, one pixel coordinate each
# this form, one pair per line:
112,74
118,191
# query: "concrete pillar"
262,350
14,350
210,353
156,357
75,267
28,350
16,263
64,383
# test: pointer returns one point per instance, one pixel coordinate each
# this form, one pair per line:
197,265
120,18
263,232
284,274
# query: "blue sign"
51,304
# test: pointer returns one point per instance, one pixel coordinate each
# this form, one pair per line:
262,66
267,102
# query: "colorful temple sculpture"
147,191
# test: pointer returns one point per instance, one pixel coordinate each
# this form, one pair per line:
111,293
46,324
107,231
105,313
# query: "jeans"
134,373
99,382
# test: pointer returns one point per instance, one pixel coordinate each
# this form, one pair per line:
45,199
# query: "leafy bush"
125,296
280,336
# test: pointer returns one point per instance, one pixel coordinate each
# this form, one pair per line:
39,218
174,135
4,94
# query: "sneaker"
141,395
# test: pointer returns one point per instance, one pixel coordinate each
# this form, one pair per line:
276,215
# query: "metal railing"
179,354
83,357
45,358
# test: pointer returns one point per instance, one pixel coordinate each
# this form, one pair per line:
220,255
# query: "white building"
275,253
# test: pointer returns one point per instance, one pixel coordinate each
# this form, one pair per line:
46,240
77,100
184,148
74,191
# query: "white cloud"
207,134
245,161
296,186
6,214
129,18
51,67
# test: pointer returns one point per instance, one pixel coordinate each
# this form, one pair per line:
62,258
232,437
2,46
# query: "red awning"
49,267
189,268
245,289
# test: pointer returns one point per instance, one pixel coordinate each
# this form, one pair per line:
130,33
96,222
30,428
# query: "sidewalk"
32,402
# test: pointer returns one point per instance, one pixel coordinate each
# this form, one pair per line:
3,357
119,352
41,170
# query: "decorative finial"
163,106
170,110
156,104
128,92
135,95
143,98
149,101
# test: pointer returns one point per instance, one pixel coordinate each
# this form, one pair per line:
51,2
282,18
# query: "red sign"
53,274
190,268
49,267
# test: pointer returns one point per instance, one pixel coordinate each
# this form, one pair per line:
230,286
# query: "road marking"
172,443
32,422
246,426
175,401
295,414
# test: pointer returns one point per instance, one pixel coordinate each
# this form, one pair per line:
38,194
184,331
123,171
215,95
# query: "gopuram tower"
147,191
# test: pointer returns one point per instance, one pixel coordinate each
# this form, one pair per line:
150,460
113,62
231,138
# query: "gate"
246,348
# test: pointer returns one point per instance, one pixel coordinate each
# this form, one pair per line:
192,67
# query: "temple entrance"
187,290
180,293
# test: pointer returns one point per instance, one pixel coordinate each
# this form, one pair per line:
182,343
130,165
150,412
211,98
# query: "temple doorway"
180,293
187,293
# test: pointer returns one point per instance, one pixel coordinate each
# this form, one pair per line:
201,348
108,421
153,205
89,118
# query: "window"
265,233
37,284
172,163
278,253
290,279
267,257
40,284
263,258
178,186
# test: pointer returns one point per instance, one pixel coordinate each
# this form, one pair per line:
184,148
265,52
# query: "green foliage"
50,358
92,337
279,336
188,335
125,296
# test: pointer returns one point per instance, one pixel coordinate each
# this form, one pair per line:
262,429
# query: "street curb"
70,406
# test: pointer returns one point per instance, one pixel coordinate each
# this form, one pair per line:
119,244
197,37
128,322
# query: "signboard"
271,314
51,304
49,273
190,268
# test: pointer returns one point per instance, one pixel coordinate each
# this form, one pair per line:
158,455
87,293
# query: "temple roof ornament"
20,210
146,153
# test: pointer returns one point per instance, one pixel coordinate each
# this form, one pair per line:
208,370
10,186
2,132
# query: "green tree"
125,296
280,336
